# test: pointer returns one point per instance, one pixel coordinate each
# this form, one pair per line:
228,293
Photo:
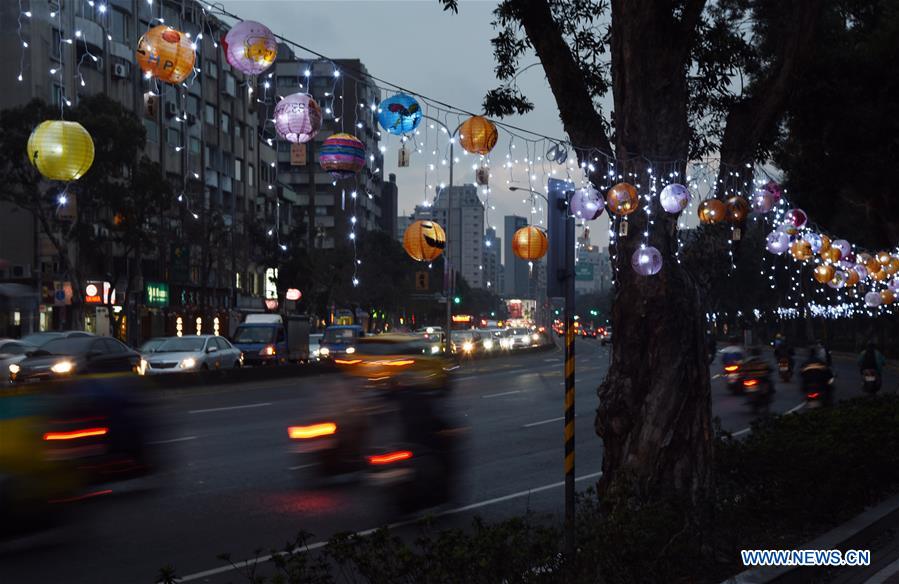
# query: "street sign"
157,294
583,272
298,155
422,280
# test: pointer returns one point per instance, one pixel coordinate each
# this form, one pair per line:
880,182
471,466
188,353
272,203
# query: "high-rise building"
593,270
389,195
465,236
517,272
492,261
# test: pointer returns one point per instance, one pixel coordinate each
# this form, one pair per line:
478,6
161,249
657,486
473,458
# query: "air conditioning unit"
171,110
191,119
120,71
151,104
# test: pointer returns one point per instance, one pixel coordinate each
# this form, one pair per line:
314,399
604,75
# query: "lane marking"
302,466
541,422
885,572
797,408
183,439
790,411
716,376
741,432
259,405
321,544
555,360
499,394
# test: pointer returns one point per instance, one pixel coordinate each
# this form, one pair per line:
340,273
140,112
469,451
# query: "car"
491,339
435,336
315,346
152,345
339,340
62,358
605,334
192,354
41,338
12,351
467,342
522,338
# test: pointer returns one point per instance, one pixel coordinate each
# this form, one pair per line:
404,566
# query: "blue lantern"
399,114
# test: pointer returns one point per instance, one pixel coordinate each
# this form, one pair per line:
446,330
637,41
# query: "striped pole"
569,387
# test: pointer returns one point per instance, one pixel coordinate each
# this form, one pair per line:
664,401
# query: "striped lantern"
342,155
478,135
60,150
166,53
529,243
424,240
298,118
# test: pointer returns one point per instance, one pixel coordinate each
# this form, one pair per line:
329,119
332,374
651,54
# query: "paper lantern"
893,267
342,155
674,198
797,217
529,243
788,228
824,273
60,150
862,271
622,199
250,47
298,118
852,278
400,114
774,189
647,261
869,261
872,300
883,257
894,285
825,244
838,280
887,297
763,201
478,135
815,240
737,209
424,240
777,242
879,275
712,211
166,53
832,255
586,204
844,246
801,250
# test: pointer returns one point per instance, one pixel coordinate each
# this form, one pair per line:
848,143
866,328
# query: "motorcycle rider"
822,353
733,353
756,368
783,350
872,359
817,374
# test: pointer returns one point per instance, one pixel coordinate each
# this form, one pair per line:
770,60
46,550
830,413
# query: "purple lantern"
797,217
647,261
839,279
298,118
763,201
815,240
861,270
844,246
894,285
774,189
587,204
872,299
250,47
674,198
778,242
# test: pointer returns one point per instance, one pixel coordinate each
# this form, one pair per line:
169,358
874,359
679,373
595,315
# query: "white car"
11,352
521,338
190,354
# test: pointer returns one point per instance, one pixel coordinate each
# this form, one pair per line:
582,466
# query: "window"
193,105
238,130
57,96
173,136
238,169
212,69
55,42
113,346
194,145
230,84
119,22
226,122
210,114
251,175
287,81
226,163
152,130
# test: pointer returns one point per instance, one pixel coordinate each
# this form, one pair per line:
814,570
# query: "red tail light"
347,361
814,395
313,431
75,434
731,368
390,457
750,383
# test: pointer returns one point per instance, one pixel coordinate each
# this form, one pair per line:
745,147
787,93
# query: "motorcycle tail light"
750,383
814,395
731,368
75,434
313,431
390,457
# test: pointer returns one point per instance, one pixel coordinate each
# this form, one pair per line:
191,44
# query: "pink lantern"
647,261
587,204
797,217
250,47
763,201
298,118
844,246
778,242
674,198
774,189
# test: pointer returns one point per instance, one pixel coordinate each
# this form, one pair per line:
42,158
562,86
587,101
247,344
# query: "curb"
851,535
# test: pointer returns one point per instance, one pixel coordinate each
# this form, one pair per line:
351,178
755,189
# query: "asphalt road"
230,485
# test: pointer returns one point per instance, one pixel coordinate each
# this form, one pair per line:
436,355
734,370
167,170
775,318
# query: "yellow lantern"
737,209
883,257
529,243
61,150
887,297
166,53
802,250
832,255
622,199
478,135
852,278
712,211
424,240
824,273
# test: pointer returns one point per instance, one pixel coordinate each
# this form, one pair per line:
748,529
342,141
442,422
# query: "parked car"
40,339
65,357
270,339
193,353
339,340
605,334
12,351
152,345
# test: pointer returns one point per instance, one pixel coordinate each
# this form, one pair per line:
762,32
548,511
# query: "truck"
273,339
339,340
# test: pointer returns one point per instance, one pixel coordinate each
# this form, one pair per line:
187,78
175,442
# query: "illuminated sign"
157,294
293,294
271,303
98,293
462,318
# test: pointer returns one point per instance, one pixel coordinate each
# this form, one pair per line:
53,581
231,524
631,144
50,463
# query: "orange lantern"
478,135
802,250
832,255
824,273
712,211
529,243
737,209
879,275
623,199
887,297
893,266
883,257
825,245
852,278
166,53
424,240
869,261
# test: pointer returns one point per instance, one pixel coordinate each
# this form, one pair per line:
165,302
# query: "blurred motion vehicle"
817,382
270,339
491,339
605,335
396,429
64,357
731,360
152,345
588,332
315,346
338,340
192,354
435,336
12,352
467,343
40,339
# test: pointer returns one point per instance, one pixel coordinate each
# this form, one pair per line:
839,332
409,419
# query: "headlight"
316,352
62,367
268,351
535,336
188,363
350,350
488,345
142,367
14,368
324,351
467,346
435,349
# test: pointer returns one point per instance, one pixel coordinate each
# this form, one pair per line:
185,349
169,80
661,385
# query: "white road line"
230,408
541,422
741,432
797,408
884,573
320,544
503,393
556,360
716,376
302,466
183,439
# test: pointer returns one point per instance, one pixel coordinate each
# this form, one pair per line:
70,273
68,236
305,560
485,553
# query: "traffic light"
457,300
594,312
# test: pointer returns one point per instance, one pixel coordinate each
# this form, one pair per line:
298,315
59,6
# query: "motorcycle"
870,381
759,391
817,384
733,377
785,368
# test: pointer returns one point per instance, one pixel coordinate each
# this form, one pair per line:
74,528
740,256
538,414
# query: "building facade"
492,261
517,273
593,270
465,236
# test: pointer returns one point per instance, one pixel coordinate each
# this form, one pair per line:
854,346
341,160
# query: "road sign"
583,272
421,280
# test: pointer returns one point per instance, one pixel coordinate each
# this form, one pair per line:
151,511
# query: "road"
231,486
